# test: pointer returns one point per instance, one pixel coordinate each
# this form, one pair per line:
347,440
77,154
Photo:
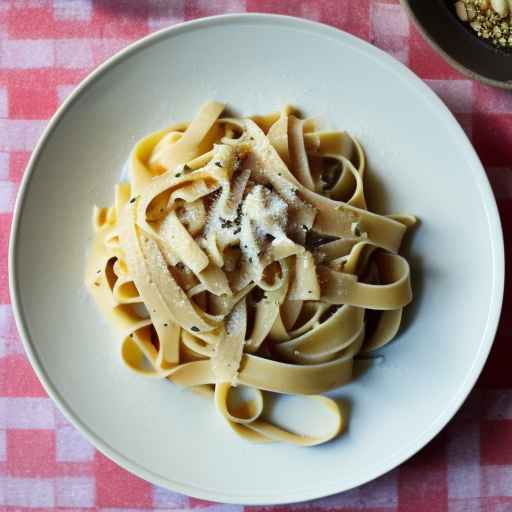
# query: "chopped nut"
488,18
500,7
461,10
471,12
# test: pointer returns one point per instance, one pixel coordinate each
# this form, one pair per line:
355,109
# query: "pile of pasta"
241,261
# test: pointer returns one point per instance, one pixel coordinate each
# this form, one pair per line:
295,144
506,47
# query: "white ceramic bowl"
420,159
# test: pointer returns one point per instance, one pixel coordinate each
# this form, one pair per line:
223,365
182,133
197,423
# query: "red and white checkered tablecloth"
46,48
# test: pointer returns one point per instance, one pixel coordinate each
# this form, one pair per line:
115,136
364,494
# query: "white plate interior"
418,156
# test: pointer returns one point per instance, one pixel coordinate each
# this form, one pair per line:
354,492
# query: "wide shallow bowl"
458,44
420,162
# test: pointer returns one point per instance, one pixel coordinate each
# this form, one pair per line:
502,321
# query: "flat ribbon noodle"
242,262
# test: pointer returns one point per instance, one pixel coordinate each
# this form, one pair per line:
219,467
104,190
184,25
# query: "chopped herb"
309,291
98,271
218,164
279,173
251,138
237,230
132,200
166,324
177,175
250,260
194,328
245,246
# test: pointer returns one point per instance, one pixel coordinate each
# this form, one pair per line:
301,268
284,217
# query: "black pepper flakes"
218,164
225,223
194,328
132,200
166,324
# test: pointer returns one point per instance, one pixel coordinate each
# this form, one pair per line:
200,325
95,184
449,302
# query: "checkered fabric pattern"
46,48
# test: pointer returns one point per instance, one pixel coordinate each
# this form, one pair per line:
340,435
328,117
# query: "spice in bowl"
490,19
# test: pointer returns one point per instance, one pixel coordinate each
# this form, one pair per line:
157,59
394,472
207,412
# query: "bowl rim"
437,424
447,57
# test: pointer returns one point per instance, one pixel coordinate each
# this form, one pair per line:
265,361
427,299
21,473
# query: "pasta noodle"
241,261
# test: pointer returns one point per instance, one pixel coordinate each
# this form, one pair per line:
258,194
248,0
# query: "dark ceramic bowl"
458,44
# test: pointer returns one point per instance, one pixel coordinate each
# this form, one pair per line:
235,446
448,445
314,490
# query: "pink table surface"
46,48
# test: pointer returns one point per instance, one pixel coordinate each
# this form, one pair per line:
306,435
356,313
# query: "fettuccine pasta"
241,261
